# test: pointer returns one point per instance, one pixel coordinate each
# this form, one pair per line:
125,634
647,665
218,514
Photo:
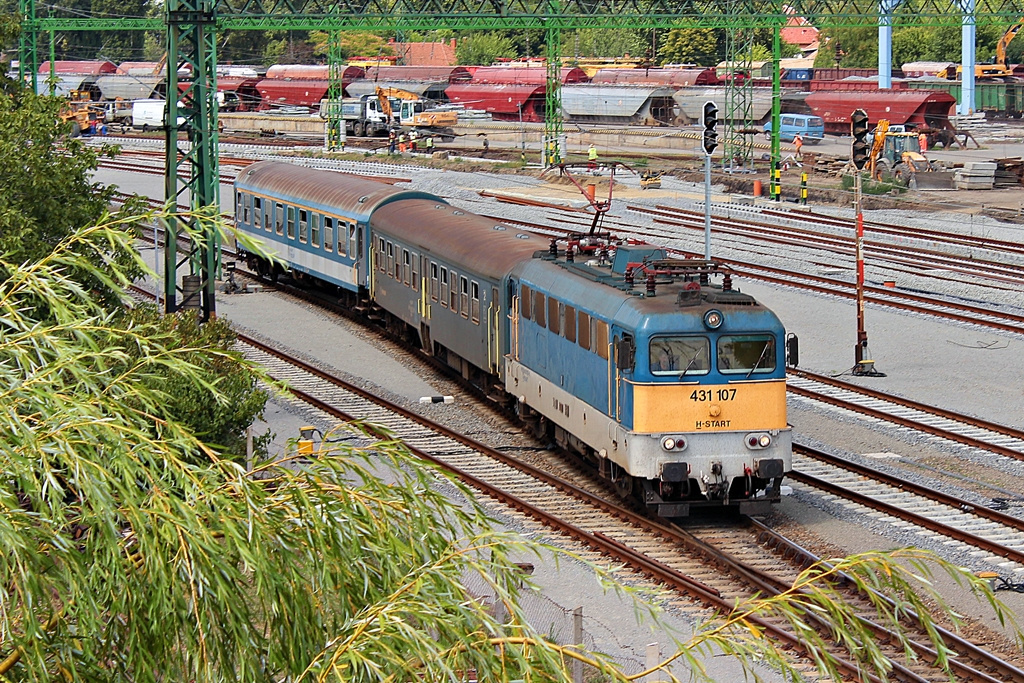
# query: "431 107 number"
713,395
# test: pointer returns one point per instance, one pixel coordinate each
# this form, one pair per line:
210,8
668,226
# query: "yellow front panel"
746,406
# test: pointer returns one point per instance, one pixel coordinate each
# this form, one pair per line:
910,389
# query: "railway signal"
710,121
861,146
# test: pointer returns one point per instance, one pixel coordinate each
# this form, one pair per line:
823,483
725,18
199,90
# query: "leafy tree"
483,48
859,46
353,45
690,46
593,42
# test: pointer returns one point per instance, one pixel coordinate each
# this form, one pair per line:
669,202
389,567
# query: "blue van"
810,128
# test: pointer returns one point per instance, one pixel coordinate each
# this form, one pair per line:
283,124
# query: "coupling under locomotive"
657,368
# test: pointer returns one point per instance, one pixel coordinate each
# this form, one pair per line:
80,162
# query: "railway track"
689,562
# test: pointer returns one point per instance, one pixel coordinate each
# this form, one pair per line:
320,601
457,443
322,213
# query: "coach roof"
327,191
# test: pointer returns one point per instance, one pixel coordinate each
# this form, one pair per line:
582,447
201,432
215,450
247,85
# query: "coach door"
427,274
494,340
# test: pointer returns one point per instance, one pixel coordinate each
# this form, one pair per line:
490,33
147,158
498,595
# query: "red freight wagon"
450,74
505,102
667,77
525,75
920,108
81,67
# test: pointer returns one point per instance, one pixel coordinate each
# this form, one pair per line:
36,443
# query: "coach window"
328,233
247,208
415,273
601,338
474,302
406,266
538,308
679,356
303,225
291,222
524,302
391,259
381,261
314,230
553,318
353,241
569,323
444,287
749,354
239,202
433,281
583,338
453,292
279,218
464,297
257,214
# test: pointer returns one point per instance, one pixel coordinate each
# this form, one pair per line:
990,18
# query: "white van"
149,115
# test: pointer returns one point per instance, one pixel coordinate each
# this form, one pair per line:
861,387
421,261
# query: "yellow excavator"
999,68
897,153
82,112
416,113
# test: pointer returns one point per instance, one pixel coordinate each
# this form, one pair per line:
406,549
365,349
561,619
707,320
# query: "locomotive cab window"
600,335
748,354
328,233
257,215
680,356
524,303
303,225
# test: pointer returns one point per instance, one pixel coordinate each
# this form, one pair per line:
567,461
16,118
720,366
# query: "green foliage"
219,411
483,48
352,45
886,185
592,42
690,46
48,189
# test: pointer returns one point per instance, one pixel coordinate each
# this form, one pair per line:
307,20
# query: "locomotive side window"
328,233
569,323
524,303
601,338
553,318
433,281
680,356
538,309
279,217
257,217
453,293
583,339
314,230
303,225
444,287
747,354
406,266
474,302
291,222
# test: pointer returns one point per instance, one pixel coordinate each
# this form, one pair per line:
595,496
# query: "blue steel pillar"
968,59
885,10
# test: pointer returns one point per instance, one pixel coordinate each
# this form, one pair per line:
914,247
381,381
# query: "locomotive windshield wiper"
690,363
760,358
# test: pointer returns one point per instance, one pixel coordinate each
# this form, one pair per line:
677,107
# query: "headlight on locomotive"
758,441
673,443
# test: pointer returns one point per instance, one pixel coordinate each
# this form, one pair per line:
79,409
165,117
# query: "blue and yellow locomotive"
674,384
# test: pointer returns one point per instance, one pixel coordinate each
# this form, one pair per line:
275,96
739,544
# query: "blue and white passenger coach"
658,369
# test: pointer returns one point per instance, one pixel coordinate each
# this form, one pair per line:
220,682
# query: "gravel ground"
957,366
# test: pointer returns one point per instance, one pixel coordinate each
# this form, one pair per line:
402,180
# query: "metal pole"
707,207
862,335
577,638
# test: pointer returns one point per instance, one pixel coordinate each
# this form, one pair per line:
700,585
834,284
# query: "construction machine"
411,112
897,152
999,68
82,112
